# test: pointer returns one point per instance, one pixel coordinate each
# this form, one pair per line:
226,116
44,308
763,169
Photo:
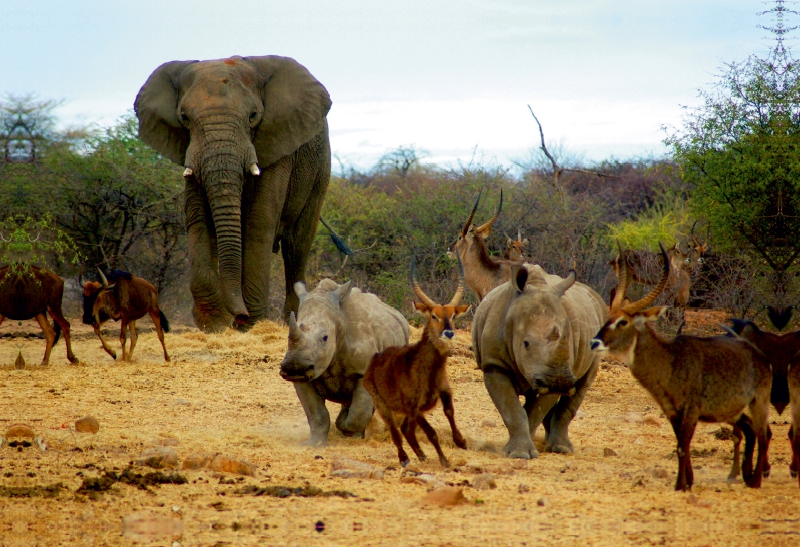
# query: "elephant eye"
253,117
184,117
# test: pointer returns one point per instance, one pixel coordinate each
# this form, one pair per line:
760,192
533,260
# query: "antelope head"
627,320
468,233
440,318
698,250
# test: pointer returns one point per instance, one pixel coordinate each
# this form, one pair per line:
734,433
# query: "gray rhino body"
337,331
531,336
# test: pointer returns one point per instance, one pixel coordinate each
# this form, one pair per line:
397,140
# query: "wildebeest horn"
460,290
622,279
424,298
105,281
488,224
642,303
465,229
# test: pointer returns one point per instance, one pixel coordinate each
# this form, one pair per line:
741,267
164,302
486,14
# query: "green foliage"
645,233
25,242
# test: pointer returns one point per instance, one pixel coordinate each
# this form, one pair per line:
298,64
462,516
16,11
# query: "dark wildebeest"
129,298
27,292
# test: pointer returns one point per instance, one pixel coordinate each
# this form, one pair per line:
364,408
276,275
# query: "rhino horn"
294,329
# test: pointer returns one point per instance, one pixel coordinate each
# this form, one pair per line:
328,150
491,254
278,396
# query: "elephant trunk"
222,170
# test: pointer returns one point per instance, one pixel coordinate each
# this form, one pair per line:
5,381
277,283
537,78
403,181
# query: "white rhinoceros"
531,336
331,342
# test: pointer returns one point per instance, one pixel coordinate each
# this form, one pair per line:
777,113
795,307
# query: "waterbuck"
692,378
482,273
28,292
409,380
128,299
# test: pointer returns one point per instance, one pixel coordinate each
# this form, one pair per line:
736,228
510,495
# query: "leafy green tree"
741,152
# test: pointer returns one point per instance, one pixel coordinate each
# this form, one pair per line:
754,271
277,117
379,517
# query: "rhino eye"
325,338
527,344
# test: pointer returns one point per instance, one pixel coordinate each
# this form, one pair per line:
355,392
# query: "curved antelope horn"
642,303
456,300
519,234
105,281
424,298
488,224
622,280
465,229
691,234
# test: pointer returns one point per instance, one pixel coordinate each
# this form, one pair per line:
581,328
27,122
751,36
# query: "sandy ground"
222,394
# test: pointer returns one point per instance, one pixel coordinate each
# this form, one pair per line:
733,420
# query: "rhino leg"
318,418
353,419
505,398
537,408
557,439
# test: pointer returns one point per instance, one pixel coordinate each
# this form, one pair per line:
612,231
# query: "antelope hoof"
460,442
793,473
404,463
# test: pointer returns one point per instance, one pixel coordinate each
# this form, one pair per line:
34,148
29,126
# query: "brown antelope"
409,380
27,294
482,272
130,298
515,249
782,353
692,378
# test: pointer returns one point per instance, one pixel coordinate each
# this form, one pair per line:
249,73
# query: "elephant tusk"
254,170
188,172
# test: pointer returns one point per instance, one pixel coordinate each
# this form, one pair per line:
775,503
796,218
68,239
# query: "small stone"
694,500
176,509
504,468
519,463
523,489
149,527
484,481
634,417
543,501
425,479
609,452
580,414
40,443
488,422
160,457
87,424
474,467
227,464
20,431
198,461
638,441
445,496
353,469
652,419
660,473
181,402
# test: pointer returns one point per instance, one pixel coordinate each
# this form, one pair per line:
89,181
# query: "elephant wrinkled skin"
252,135
331,343
531,336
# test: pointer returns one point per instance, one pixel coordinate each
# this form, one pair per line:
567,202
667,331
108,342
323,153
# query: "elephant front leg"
565,410
505,398
210,314
353,419
319,419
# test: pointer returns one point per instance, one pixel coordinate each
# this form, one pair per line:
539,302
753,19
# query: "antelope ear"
420,307
156,107
295,106
648,316
461,310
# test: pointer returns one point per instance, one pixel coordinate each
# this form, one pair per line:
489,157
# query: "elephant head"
225,120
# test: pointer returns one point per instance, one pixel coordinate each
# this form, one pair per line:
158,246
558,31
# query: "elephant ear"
295,106
156,107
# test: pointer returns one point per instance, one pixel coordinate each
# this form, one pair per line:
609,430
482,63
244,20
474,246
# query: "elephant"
252,134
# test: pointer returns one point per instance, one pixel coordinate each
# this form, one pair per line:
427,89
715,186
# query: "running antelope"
409,380
692,378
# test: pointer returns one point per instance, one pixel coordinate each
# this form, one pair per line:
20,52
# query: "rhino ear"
295,106
343,291
300,289
519,277
156,107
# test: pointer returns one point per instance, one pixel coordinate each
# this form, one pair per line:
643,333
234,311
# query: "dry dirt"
222,394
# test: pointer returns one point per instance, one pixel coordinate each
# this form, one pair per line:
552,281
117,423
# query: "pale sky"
451,77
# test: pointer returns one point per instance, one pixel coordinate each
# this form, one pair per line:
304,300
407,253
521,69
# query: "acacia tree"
740,151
